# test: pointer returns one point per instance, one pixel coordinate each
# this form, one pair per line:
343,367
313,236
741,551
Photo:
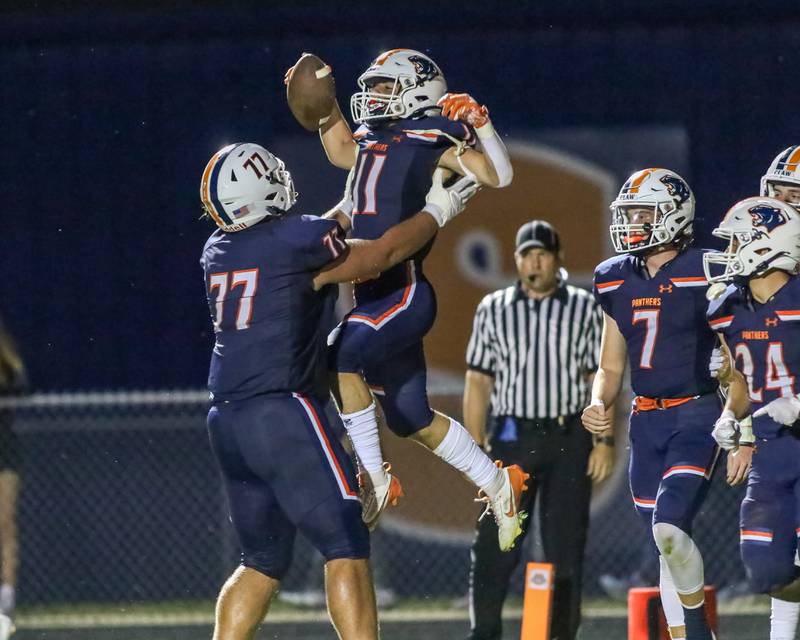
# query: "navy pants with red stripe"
381,338
770,514
284,470
672,459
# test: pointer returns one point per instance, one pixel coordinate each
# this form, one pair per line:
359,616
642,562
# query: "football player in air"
752,314
653,298
269,280
407,127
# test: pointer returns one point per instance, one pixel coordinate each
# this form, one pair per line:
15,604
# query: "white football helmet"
244,183
418,85
785,169
672,202
762,234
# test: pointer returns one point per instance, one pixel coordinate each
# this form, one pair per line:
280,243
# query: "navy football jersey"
663,322
271,326
394,165
765,342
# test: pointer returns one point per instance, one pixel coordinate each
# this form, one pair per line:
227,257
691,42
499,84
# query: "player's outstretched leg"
351,599
242,604
359,415
502,487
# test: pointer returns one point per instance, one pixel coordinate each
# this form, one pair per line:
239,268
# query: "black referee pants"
556,456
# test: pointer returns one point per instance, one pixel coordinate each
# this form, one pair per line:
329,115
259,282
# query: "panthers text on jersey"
270,324
393,170
764,340
662,319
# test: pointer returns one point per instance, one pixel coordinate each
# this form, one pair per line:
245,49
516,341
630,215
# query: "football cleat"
6,627
375,500
505,506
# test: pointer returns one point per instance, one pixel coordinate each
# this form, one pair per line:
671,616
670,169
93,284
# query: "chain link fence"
121,503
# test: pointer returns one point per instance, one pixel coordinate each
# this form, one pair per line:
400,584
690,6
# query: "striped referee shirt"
539,351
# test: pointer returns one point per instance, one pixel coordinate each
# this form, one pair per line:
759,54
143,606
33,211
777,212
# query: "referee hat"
539,234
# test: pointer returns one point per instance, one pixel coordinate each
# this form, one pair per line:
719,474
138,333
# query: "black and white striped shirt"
539,351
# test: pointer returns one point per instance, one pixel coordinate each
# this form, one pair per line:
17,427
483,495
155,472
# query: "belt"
642,403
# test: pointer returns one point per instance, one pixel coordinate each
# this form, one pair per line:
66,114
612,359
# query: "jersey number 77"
225,283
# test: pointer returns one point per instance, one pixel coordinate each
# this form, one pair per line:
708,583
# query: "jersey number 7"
248,278
650,318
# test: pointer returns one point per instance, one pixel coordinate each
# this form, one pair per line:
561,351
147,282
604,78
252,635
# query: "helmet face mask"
671,203
763,234
244,183
418,85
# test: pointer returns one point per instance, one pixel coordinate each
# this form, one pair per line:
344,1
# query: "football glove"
717,362
463,107
445,204
784,411
726,430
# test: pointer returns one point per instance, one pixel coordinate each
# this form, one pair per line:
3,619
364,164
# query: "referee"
533,350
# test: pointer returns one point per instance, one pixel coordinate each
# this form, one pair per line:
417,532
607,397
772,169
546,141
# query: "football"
311,91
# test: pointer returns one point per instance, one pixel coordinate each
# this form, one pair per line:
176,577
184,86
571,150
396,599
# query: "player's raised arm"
491,167
337,140
597,417
367,257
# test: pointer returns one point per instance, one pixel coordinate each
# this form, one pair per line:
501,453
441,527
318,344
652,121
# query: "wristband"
746,436
486,131
607,440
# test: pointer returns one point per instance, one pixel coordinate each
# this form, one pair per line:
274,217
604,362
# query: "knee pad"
673,543
681,555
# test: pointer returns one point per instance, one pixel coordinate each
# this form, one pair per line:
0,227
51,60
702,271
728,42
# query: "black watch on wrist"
608,440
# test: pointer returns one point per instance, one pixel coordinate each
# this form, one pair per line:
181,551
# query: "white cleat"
6,627
505,506
375,499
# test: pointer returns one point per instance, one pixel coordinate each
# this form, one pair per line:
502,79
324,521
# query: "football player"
653,298
407,126
268,278
782,182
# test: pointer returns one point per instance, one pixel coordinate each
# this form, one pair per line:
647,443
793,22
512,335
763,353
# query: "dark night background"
109,112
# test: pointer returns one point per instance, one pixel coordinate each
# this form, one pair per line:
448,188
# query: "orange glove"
463,107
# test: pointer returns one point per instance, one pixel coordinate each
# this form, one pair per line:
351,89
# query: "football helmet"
418,85
244,183
762,234
785,168
672,202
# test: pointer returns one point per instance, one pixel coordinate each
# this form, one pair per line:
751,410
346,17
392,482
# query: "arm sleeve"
480,350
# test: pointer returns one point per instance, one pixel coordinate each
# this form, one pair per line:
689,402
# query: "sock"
362,428
783,621
696,624
7,599
459,450
673,609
